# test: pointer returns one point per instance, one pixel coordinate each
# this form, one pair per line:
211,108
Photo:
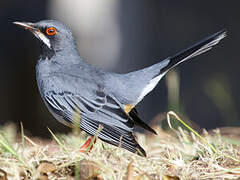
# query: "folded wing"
103,110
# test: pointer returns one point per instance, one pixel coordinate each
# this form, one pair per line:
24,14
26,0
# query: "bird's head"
53,35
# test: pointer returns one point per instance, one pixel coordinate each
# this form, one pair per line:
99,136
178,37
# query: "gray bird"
72,88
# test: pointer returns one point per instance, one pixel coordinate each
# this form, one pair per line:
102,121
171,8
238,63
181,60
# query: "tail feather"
134,115
155,72
195,50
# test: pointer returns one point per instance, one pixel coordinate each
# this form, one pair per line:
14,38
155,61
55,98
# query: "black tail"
134,115
198,48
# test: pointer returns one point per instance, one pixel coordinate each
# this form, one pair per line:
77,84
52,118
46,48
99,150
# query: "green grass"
173,153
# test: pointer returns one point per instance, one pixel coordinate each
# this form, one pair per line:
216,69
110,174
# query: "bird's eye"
51,31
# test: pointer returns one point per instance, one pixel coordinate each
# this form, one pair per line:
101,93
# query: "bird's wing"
104,110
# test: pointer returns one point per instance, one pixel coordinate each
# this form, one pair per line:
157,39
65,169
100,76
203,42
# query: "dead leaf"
43,177
22,175
89,170
167,177
3,175
130,171
46,167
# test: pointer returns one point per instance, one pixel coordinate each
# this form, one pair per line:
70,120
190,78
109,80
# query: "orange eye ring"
51,31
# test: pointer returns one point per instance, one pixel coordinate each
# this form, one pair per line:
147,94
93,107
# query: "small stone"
88,170
46,167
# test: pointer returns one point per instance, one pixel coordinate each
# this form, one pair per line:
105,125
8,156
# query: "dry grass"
175,154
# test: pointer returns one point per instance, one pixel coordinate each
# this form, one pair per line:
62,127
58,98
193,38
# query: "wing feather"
104,110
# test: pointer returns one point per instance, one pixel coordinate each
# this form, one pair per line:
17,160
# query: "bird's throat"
46,52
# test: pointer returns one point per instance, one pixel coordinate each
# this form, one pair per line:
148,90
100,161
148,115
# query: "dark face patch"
50,33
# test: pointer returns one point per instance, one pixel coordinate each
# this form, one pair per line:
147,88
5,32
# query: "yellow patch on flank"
128,108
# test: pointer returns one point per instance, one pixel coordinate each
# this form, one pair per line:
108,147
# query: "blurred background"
124,36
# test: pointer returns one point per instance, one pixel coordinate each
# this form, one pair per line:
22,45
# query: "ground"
172,154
